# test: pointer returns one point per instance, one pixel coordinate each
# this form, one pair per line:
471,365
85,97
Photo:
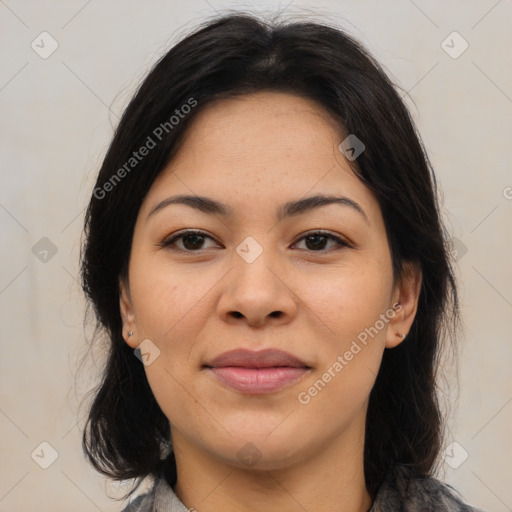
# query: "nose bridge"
257,284
254,266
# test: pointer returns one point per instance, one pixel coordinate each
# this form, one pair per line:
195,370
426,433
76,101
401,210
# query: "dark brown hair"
127,434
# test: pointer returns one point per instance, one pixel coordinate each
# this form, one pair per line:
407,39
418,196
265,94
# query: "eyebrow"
289,209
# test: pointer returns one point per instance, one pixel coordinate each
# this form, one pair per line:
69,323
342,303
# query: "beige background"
56,123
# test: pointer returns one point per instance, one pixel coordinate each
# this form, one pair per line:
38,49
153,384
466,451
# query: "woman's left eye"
317,241
193,241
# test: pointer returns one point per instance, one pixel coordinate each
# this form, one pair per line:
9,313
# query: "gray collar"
398,493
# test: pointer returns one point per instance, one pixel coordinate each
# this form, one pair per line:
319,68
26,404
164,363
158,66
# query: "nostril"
276,314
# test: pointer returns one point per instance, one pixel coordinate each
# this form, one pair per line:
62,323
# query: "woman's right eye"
188,241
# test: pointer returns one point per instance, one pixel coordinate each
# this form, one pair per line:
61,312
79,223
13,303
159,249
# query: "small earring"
130,333
400,335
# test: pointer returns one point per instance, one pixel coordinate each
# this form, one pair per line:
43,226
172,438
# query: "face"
264,269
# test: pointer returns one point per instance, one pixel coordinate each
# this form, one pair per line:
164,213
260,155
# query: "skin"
255,153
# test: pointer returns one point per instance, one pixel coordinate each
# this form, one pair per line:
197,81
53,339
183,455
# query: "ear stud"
130,333
399,334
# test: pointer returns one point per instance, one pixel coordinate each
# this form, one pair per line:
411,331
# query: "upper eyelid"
337,238
179,234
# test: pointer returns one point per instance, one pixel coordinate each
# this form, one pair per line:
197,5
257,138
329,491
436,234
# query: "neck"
329,478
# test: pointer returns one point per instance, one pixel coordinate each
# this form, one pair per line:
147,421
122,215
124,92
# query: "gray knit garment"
398,493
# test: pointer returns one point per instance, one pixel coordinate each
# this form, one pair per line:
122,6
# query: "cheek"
172,306
169,305
346,300
351,314
166,300
350,348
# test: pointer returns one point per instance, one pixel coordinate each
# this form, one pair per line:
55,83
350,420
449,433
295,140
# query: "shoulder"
142,503
403,492
160,498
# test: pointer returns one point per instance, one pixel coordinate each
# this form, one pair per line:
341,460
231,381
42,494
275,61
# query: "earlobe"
127,314
407,295
394,339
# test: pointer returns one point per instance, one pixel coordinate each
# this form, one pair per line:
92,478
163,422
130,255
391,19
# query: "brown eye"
317,241
191,241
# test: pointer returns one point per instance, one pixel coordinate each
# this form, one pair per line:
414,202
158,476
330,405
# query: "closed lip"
267,358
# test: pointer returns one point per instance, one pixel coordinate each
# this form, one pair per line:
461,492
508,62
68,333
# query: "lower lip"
258,380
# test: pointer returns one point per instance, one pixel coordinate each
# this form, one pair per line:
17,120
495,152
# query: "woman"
265,253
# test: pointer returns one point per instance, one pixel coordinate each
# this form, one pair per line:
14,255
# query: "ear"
127,314
405,304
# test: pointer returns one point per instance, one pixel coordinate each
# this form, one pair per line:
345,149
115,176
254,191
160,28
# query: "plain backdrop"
58,112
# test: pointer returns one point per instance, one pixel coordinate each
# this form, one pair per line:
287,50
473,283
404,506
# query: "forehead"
265,114
261,148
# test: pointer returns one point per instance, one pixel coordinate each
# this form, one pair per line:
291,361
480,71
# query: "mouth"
256,373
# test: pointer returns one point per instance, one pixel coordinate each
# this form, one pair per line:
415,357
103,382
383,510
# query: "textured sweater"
398,493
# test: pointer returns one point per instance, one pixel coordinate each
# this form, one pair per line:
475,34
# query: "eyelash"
168,242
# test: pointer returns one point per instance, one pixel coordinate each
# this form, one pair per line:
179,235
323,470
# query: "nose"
257,293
